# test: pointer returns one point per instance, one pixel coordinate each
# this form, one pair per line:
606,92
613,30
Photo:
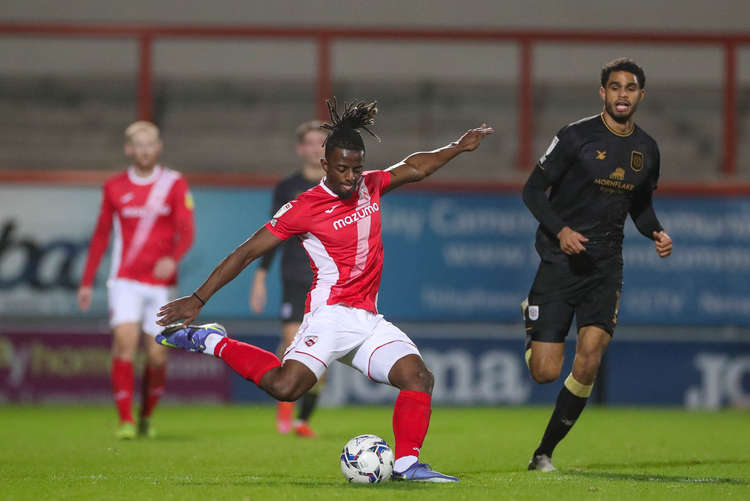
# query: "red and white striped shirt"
342,239
152,218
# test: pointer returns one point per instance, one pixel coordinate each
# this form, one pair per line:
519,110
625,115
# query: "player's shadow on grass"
646,477
311,483
666,464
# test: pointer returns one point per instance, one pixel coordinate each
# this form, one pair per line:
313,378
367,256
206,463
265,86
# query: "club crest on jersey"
310,340
533,312
636,160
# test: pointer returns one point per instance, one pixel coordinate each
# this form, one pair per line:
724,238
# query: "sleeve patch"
189,201
283,210
551,147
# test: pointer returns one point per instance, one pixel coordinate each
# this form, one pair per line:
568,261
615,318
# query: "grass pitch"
234,453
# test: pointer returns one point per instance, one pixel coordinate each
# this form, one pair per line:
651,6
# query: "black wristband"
203,303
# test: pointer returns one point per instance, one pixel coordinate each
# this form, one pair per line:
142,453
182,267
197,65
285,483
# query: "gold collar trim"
620,134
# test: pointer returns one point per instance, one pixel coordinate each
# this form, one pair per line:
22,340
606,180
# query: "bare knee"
284,389
288,382
586,366
412,377
545,373
546,360
125,341
424,380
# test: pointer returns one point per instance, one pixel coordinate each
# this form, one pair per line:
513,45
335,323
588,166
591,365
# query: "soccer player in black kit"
598,170
296,274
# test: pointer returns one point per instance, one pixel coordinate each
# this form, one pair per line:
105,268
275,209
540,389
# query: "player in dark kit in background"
296,274
598,170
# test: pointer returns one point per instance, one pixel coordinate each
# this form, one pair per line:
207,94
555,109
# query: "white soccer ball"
367,459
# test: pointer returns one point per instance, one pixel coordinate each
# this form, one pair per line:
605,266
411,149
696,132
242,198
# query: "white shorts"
135,302
353,336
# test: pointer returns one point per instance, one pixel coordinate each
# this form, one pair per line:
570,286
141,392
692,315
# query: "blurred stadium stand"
244,127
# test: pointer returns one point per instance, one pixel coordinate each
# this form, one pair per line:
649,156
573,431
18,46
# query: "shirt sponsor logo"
618,174
614,184
355,216
128,211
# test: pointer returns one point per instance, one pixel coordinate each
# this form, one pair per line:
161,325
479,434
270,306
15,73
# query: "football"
367,459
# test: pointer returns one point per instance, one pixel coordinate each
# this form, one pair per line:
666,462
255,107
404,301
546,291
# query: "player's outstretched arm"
418,166
187,308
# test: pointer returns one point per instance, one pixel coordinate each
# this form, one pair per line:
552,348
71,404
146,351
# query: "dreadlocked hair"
344,129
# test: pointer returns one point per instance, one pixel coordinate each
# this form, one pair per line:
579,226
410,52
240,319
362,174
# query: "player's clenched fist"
663,243
571,242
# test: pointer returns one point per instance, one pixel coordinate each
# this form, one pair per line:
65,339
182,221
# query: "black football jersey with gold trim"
595,174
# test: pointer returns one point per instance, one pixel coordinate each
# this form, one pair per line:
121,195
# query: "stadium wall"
468,255
480,365
640,14
457,265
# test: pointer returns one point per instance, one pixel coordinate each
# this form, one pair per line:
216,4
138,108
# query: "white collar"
328,190
140,180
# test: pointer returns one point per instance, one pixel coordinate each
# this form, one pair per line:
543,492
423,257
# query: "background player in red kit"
296,275
151,211
338,223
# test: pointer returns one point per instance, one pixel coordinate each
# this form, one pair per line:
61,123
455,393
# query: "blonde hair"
140,125
309,126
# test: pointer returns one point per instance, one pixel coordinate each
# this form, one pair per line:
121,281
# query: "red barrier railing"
146,34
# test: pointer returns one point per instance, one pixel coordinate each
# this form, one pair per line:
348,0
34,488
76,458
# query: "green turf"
233,453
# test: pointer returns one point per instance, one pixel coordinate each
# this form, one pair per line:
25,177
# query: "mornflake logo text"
356,216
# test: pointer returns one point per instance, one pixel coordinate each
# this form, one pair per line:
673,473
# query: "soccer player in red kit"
151,211
338,224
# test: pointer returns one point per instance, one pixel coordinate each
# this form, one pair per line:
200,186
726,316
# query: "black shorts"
293,299
588,289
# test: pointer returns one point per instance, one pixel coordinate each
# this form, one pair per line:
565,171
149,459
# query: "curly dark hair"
623,64
344,129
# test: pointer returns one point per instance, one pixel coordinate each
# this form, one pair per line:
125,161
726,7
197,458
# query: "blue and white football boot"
422,472
192,338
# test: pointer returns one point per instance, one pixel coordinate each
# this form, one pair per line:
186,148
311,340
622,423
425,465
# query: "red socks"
154,380
122,388
411,418
247,360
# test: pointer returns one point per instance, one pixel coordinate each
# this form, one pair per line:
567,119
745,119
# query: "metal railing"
527,40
